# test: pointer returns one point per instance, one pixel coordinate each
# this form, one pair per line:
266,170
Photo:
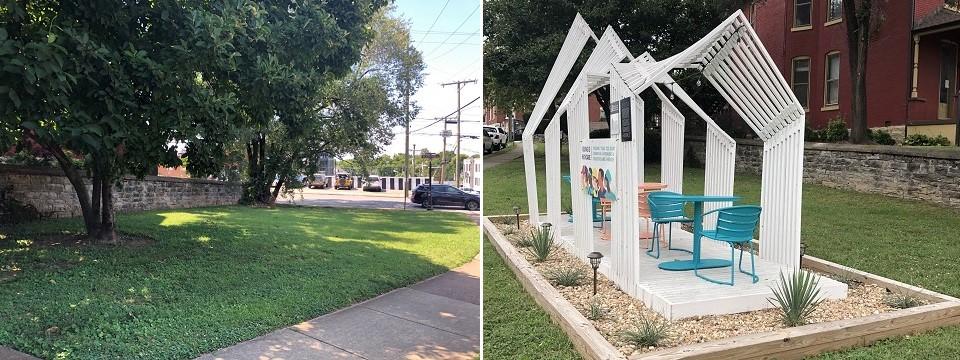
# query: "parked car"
469,190
319,181
499,140
445,195
487,142
503,132
373,184
344,182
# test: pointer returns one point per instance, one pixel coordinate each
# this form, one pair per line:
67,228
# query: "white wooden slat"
552,148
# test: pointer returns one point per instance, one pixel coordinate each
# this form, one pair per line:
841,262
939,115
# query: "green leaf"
13,97
51,38
90,141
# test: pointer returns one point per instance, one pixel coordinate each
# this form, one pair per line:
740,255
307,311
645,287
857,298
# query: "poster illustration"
598,158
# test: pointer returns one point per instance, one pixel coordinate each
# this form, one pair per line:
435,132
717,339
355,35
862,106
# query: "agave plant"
541,243
597,311
647,332
901,300
566,276
797,297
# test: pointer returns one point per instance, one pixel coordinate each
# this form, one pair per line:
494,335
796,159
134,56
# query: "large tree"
107,84
524,37
862,19
308,86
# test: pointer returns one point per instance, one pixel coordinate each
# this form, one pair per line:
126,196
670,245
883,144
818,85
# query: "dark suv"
445,195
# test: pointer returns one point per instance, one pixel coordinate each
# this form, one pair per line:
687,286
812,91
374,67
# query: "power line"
438,32
450,114
435,20
453,48
457,29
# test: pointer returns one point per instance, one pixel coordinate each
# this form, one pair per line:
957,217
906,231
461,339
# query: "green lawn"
514,326
212,277
910,241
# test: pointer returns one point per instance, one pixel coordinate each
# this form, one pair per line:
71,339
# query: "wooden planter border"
790,343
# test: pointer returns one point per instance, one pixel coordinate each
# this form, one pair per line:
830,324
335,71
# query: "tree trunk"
858,20
276,190
90,218
108,228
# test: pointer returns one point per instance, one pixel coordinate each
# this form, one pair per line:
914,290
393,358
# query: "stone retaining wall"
52,194
928,173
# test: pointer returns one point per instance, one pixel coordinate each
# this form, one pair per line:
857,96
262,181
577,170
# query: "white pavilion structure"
732,59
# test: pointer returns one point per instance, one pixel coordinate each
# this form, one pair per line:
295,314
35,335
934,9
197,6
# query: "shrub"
541,244
797,297
836,131
924,140
15,212
566,276
881,137
901,301
647,332
599,133
810,134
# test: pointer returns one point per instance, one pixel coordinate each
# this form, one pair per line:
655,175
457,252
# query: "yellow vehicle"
344,181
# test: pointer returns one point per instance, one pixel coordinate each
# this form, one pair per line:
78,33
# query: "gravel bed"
622,312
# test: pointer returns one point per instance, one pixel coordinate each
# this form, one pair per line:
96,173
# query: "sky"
447,33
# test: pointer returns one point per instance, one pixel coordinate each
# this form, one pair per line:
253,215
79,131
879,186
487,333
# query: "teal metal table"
697,262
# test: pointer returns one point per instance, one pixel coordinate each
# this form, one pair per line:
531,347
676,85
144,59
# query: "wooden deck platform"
680,294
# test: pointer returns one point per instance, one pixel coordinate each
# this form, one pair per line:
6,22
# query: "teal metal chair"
735,225
597,215
664,212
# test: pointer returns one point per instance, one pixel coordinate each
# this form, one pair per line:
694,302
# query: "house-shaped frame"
732,59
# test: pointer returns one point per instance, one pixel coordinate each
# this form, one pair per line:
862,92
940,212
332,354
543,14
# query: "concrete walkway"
10,354
515,151
438,318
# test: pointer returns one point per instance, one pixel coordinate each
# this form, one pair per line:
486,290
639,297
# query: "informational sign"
626,124
598,159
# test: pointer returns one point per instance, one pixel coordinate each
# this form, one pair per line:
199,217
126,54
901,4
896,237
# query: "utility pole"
406,147
443,152
414,166
460,84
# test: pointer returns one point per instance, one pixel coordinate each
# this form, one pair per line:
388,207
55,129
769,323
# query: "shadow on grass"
213,276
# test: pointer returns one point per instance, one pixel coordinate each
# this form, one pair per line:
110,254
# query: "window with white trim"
800,80
831,85
802,13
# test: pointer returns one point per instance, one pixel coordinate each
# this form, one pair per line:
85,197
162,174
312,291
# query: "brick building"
496,117
911,71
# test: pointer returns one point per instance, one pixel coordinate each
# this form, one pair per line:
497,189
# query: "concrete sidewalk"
10,354
438,318
491,160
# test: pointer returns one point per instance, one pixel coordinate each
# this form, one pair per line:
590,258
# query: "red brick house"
495,116
911,71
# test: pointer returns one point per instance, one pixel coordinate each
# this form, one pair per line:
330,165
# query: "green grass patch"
911,241
211,277
514,326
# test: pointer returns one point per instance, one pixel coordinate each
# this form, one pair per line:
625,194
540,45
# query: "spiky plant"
797,296
647,332
597,311
523,242
541,244
566,276
901,300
